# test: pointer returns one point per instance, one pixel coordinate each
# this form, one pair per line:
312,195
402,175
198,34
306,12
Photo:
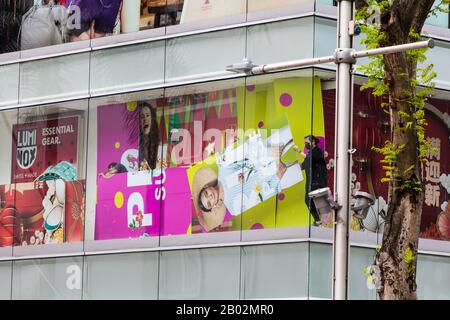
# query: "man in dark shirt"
316,172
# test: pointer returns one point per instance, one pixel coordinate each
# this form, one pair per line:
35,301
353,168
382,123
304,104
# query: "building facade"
134,166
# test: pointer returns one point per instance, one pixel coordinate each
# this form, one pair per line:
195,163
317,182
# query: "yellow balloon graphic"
118,200
131,106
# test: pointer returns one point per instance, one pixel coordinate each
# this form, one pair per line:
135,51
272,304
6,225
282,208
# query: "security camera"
357,29
363,202
322,200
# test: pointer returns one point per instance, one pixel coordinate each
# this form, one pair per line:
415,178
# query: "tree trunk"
398,255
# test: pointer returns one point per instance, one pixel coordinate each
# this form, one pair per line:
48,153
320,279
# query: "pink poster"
132,205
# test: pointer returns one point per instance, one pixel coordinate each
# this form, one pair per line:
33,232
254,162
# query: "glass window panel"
272,42
360,258
47,279
201,124
433,277
320,269
275,271
49,175
5,280
439,19
125,174
325,37
9,82
278,115
8,218
203,55
129,67
55,78
132,276
200,274
263,9
201,14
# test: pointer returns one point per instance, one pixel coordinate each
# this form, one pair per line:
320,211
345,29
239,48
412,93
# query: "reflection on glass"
47,279
132,276
358,284
198,274
5,280
281,110
34,24
275,271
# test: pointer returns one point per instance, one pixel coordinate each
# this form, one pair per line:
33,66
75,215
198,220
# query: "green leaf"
409,257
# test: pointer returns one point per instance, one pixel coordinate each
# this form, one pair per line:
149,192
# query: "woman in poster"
148,137
208,196
239,185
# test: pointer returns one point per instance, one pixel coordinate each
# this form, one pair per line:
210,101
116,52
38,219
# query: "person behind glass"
148,137
316,172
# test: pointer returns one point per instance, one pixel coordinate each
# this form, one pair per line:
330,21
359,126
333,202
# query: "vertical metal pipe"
342,156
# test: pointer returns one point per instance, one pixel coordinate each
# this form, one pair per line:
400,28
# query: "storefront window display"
46,187
215,157
283,110
129,169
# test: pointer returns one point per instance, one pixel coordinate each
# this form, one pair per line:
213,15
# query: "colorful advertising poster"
219,166
137,195
38,146
45,202
46,212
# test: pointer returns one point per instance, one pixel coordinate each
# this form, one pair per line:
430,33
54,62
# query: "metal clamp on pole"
344,55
